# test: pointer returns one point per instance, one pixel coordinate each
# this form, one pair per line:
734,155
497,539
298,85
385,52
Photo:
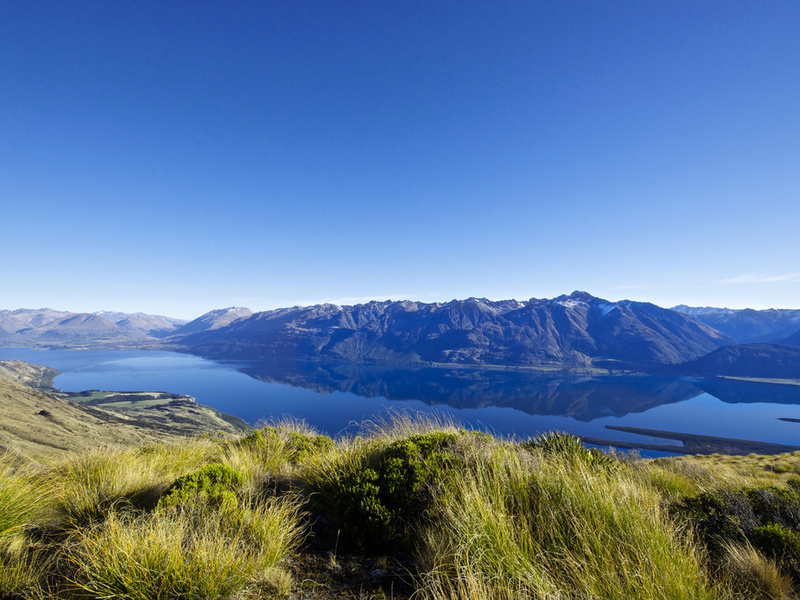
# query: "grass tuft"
184,554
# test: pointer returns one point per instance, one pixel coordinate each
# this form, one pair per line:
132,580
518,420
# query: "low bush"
91,485
766,517
780,544
213,486
373,497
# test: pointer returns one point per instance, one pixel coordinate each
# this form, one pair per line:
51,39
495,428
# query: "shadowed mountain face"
582,398
574,332
748,325
772,361
792,340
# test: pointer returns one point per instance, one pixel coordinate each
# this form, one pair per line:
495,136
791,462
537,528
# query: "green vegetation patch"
766,517
374,504
213,485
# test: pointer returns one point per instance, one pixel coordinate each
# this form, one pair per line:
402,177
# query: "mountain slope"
212,320
772,361
575,331
747,325
792,340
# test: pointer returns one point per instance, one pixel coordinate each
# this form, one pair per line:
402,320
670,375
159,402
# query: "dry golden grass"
719,470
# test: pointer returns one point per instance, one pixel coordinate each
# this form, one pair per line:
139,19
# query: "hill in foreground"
411,509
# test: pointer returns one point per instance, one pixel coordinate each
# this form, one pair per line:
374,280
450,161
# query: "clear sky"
176,157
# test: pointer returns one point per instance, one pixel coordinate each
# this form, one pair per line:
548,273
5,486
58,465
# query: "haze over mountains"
60,328
748,326
577,332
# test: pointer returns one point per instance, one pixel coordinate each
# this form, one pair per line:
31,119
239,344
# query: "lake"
335,398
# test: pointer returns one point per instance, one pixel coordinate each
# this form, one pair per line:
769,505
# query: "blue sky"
175,157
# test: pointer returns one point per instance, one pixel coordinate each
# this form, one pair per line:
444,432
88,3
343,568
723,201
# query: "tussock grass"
751,576
550,527
25,499
398,425
25,503
190,554
89,486
714,471
23,573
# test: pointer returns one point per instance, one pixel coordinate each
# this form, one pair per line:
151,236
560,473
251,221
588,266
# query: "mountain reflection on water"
581,397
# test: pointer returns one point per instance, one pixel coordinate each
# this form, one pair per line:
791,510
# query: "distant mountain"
772,361
575,332
82,325
153,325
14,321
747,325
48,327
212,320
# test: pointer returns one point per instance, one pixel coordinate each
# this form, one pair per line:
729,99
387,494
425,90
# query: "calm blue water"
335,398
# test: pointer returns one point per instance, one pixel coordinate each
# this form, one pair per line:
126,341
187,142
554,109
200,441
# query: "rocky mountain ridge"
578,331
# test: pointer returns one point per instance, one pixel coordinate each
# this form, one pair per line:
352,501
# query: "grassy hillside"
39,425
411,508
35,376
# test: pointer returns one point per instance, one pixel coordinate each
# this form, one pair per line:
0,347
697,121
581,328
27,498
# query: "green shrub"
776,505
780,544
794,482
766,517
93,484
374,504
717,517
213,485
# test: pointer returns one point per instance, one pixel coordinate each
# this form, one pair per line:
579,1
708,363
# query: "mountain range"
748,326
576,332
46,327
